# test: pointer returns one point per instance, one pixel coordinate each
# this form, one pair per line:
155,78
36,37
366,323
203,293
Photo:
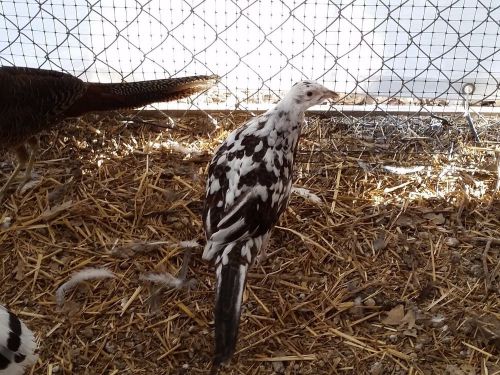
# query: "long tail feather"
231,279
113,96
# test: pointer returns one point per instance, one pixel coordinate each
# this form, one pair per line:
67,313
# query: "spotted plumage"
249,183
32,100
17,344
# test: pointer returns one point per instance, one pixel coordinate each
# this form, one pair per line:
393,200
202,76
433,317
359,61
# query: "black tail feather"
231,281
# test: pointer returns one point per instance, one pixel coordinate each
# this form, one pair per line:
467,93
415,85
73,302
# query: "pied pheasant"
249,183
17,344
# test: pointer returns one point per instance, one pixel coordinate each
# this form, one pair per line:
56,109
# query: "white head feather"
306,94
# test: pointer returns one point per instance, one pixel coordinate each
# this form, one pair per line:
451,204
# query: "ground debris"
391,273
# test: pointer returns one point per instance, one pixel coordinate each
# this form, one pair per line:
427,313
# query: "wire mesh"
383,54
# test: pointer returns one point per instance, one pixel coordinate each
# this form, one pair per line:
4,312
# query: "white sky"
264,45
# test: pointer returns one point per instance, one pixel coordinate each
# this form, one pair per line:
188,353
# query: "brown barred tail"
113,96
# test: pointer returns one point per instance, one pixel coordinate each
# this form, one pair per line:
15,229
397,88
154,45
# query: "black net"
385,55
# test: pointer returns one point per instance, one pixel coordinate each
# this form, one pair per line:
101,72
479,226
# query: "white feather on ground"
78,277
128,249
177,147
307,194
168,280
5,223
403,170
188,244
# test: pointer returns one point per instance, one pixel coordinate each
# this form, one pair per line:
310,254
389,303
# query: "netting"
383,54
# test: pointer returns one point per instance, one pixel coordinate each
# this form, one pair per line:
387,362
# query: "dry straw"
394,271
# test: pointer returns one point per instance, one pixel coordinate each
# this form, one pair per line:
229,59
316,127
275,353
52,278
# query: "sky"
382,47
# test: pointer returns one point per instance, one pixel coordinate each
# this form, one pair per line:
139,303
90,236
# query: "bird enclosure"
386,260
385,55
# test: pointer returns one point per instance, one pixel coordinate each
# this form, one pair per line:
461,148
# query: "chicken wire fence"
384,55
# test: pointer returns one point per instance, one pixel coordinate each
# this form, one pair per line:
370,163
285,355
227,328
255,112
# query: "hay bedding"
395,271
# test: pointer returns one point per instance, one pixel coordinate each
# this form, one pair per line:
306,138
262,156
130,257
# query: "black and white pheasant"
17,344
249,183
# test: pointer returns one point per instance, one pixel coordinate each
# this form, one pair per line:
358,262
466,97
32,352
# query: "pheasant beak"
330,95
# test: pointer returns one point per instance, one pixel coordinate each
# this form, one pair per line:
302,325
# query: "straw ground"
394,271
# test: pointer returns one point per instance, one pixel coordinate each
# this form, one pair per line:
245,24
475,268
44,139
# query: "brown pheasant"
32,100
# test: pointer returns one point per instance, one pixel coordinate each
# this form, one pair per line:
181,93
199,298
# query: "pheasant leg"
263,254
22,156
184,270
35,146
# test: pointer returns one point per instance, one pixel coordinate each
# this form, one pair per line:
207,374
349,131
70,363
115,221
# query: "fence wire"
383,54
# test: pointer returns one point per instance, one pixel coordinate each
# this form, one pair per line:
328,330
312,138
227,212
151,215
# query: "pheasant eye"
309,93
